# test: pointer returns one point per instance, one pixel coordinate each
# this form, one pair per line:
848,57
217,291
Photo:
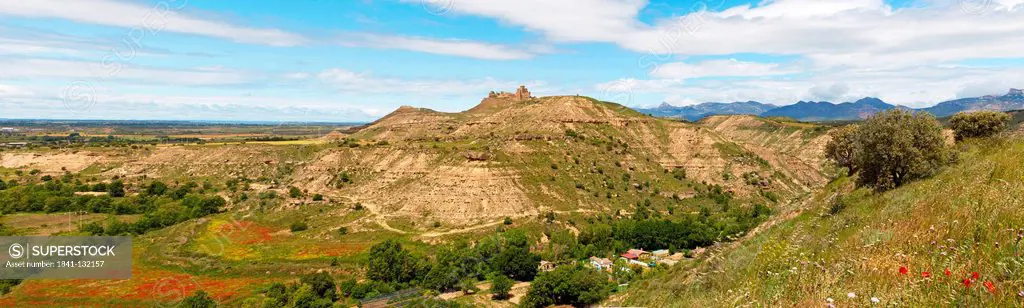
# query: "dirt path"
463,230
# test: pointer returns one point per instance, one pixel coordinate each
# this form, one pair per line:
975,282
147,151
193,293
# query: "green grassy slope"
966,219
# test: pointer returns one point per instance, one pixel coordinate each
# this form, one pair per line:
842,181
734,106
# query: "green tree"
978,124
322,285
116,188
500,286
199,299
842,147
896,146
568,285
156,188
388,262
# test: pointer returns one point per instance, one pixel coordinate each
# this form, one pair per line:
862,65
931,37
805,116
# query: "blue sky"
317,60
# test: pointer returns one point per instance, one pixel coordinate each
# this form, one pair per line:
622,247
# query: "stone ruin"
521,94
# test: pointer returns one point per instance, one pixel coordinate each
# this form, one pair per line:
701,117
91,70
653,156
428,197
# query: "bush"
500,286
896,146
116,188
978,124
842,148
508,221
299,226
318,197
294,192
199,299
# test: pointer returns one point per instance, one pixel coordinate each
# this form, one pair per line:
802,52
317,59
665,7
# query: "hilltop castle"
521,94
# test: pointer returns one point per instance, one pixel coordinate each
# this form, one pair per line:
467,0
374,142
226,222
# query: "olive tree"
978,124
842,147
897,146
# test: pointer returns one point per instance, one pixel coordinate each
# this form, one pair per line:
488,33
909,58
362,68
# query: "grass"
966,219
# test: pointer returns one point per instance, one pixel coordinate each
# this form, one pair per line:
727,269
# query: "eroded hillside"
504,158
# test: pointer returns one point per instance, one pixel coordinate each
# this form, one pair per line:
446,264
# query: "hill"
913,246
827,111
1014,99
509,157
696,112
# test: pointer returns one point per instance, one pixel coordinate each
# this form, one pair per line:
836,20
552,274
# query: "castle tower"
522,93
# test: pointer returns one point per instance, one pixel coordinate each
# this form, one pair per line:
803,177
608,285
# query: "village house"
660,253
601,264
546,266
636,254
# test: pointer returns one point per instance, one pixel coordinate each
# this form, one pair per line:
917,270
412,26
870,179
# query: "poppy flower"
926,275
967,283
903,270
990,286
974,275
948,273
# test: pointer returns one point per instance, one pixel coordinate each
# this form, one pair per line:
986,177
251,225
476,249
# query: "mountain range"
827,111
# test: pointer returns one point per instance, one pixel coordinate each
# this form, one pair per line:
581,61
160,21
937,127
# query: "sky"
357,60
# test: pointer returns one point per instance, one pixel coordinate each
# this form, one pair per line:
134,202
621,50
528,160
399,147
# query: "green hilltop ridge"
850,247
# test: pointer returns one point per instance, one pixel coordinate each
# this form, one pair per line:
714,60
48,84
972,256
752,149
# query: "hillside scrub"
890,149
950,240
842,148
978,124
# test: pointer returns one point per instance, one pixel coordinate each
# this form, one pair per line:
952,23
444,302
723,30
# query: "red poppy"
990,286
967,283
974,275
903,270
948,272
926,275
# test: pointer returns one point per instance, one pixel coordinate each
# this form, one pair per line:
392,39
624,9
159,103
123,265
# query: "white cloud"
915,87
50,69
452,47
716,68
367,83
166,15
829,32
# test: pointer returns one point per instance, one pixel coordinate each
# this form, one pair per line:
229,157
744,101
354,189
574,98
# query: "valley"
565,178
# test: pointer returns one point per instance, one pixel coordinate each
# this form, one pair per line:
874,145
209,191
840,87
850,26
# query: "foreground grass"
848,247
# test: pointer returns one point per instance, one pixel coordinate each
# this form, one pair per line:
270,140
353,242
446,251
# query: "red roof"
630,256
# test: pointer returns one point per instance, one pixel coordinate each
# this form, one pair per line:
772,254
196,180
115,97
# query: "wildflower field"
951,240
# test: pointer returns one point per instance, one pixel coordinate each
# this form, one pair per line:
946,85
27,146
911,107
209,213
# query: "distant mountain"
826,111
696,112
1011,101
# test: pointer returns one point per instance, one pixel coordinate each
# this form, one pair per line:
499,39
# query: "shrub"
318,197
116,189
294,192
978,124
199,299
508,221
500,286
842,147
896,146
299,226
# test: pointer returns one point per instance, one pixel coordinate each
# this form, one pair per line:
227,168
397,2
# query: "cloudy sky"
316,60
